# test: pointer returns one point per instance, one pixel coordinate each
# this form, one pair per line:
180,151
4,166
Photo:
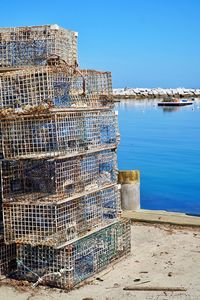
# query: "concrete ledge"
158,216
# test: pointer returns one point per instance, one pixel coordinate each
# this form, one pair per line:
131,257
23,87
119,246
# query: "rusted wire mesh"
57,134
54,179
1,213
34,46
7,257
7,252
71,264
56,223
37,89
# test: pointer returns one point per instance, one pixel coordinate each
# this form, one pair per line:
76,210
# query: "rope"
40,279
20,263
74,67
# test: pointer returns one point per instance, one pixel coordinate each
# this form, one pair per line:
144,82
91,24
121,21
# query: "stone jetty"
139,93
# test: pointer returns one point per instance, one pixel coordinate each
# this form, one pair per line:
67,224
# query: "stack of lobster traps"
60,199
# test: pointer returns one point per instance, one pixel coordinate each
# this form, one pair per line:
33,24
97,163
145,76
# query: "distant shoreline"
139,93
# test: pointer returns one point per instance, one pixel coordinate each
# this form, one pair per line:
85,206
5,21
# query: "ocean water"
164,144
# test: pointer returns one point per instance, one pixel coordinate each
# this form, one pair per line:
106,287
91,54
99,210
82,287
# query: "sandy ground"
162,256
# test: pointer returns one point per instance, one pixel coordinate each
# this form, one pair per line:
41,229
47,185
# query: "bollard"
130,189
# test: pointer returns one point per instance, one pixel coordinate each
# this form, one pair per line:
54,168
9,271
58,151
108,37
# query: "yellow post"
129,176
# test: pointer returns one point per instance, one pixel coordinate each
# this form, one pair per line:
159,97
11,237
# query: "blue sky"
144,43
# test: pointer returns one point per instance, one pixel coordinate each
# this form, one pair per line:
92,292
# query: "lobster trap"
67,134
37,45
38,89
55,179
69,265
56,223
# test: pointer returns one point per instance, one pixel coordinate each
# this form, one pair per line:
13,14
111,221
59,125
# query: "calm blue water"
165,147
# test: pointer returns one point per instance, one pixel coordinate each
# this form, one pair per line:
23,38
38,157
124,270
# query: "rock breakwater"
140,93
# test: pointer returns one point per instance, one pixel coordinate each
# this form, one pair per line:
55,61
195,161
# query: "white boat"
175,102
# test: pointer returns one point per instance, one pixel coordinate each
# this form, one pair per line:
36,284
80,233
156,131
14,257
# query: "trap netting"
68,133
56,223
7,252
71,264
36,45
7,257
55,179
39,89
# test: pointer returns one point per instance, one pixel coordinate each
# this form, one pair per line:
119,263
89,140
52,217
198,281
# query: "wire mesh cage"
55,179
38,89
72,264
56,223
33,46
48,135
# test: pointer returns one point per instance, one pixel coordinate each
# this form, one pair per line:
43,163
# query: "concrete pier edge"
159,216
